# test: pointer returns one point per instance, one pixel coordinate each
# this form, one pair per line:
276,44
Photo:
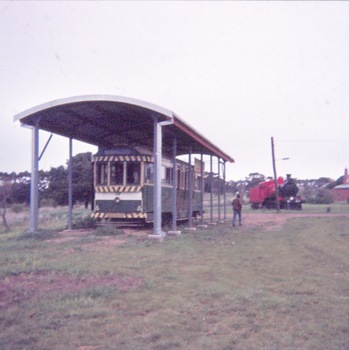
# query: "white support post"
190,190
202,188
157,231
224,191
219,189
34,184
211,191
157,178
174,185
70,185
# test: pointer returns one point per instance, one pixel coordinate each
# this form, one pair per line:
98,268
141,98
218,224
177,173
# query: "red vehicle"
264,195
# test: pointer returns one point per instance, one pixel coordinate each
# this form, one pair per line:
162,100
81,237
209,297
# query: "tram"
124,187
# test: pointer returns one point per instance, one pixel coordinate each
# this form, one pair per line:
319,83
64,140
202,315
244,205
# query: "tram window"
149,172
185,179
163,174
183,176
179,180
197,181
102,173
117,173
169,176
133,171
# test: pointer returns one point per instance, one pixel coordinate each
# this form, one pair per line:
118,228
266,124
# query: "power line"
280,140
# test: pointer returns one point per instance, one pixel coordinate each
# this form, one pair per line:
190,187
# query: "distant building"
341,192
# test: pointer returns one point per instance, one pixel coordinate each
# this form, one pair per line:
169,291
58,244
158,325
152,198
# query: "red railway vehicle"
264,195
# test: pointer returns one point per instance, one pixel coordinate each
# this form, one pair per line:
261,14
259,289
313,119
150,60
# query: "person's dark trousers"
237,213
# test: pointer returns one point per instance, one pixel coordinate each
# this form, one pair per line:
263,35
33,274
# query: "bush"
322,197
109,231
40,235
48,202
18,208
87,222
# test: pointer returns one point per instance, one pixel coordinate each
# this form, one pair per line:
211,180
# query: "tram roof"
111,121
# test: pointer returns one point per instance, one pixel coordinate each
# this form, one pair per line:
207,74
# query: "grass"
218,288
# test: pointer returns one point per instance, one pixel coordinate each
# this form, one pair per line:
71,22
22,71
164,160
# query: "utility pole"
275,176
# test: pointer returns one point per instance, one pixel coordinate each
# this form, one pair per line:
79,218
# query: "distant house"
341,192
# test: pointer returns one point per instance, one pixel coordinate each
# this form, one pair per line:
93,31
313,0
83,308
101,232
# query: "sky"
238,72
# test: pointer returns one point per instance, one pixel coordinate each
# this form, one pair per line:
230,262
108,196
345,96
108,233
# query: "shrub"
322,197
40,235
109,231
87,222
18,208
48,202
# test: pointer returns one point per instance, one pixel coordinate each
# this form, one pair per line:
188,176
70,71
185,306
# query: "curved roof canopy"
111,121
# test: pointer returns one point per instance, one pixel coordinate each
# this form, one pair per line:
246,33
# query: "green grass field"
277,282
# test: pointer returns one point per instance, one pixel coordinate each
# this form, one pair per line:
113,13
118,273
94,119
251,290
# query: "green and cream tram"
124,187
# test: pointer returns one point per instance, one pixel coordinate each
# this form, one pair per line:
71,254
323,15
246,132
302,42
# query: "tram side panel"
118,203
166,202
138,203
183,202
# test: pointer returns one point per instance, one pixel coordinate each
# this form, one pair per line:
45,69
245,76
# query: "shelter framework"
112,121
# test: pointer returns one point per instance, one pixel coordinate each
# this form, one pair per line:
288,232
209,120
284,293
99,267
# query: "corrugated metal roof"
342,187
110,121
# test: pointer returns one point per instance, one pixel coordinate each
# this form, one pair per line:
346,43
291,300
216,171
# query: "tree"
253,180
57,186
324,196
21,188
82,181
333,184
82,178
5,194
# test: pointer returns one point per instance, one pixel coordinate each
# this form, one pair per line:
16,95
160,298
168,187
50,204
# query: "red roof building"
341,192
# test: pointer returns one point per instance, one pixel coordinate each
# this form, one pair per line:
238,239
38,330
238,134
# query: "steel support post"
34,184
190,190
157,152
211,194
70,184
157,178
219,189
174,185
202,189
224,191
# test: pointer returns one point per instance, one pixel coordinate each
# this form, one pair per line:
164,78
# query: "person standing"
237,207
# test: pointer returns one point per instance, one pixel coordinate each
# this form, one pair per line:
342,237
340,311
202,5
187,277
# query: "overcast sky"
237,72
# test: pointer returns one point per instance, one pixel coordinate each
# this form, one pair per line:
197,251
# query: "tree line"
53,185
316,191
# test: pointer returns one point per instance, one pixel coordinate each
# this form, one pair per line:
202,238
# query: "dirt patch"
25,287
72,235
267,222
275,221
99,242
103,243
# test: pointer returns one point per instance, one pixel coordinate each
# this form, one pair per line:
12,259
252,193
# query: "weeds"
219,288
41,234
84,223
109,231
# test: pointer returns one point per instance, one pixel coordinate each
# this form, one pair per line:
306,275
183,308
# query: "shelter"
110,121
